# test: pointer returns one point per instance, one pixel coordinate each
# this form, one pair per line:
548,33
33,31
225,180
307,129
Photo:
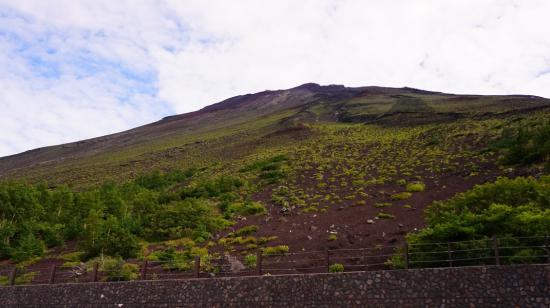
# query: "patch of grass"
383,215
247,230
401,182
416,187
332,237
250,260
247,208
275,250
401,196
336,268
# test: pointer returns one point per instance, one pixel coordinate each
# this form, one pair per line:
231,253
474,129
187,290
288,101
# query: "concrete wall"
491,286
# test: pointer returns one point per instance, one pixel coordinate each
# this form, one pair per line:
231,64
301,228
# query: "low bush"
250,260
246,208
25,278
401,196
383,215
336,268
416,187
507,208
247,230
117,270
275,250
525,143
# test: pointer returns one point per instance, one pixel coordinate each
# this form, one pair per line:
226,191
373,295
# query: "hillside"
311,167
235,128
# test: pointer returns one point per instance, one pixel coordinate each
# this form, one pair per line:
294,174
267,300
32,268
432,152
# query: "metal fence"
494,251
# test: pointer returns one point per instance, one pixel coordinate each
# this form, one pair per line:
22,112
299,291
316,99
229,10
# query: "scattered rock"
370,221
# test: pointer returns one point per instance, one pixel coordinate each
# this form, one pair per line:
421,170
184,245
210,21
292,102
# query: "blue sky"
78,69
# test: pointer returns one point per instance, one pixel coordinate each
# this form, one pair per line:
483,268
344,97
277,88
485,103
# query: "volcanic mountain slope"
333,166
237,126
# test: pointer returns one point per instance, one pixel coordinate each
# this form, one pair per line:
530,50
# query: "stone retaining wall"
490,286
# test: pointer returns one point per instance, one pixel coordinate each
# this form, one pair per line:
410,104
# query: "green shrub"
507,208
250,260
110,237
336,268
275,250
525,143
416,187
116,269
332,237
157,179
266,165
173,259
247,208
244,231
213,188
383,215
25,278
401,196
28,247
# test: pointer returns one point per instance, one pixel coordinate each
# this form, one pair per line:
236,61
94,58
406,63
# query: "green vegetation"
181,258
250,260
507,208
116,269
311,159
332,237
416,187
271,170
525,143
336,268
401,196
275,250
112,219
383,215
244,231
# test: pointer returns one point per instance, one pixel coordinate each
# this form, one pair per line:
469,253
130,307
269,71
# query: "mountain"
232,128
303,169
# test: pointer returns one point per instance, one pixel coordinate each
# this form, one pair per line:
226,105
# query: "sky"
77,69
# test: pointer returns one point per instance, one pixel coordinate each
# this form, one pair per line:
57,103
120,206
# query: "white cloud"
77,69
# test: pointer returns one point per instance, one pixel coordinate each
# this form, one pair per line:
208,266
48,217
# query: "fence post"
94,272
496,249
259,263
406,255
197,266
364,253
327,257
51,280
144,270
450,254
11,279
